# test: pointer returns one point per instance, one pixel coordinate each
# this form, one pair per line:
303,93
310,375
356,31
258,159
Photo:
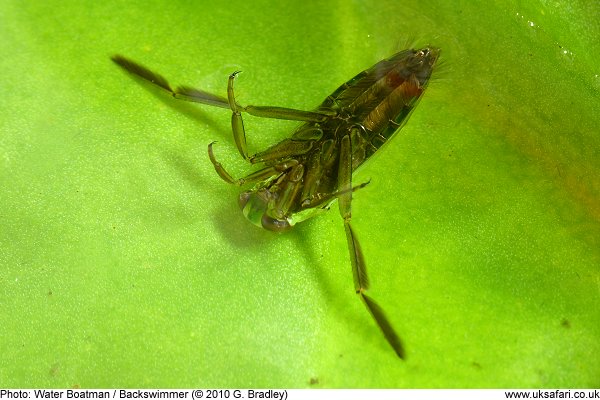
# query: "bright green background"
124,260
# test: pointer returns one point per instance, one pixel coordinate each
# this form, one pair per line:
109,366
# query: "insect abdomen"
380,99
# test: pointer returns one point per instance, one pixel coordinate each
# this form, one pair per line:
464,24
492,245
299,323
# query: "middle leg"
237,122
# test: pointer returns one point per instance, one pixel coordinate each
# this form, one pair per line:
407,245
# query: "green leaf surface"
124,260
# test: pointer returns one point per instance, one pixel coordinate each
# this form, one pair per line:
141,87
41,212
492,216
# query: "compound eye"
243,199
275,225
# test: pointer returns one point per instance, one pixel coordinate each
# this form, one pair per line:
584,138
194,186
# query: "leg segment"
359,270
319,199
182,93
237,122
256,176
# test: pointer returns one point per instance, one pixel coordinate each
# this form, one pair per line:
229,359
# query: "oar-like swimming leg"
359,269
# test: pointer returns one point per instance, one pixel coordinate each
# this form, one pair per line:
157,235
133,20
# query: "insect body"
301,176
